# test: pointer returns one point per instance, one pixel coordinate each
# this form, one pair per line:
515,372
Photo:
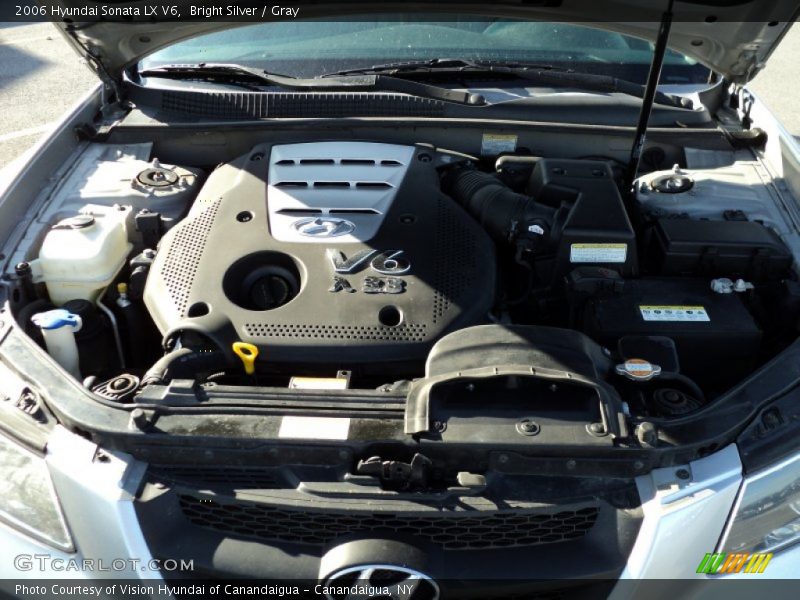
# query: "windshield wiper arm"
594,83
414,66
438,64
230,73
213,71
539,73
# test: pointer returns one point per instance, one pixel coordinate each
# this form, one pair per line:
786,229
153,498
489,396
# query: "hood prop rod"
650,90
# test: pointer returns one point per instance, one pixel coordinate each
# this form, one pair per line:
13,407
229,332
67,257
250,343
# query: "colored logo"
723,563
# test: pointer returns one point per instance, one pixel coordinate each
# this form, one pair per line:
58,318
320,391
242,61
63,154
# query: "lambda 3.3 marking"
390,263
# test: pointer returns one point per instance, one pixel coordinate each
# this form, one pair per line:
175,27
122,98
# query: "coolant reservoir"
82,254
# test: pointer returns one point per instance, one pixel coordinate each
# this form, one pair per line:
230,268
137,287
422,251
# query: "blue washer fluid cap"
56,319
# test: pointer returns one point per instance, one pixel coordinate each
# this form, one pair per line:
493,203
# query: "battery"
716,337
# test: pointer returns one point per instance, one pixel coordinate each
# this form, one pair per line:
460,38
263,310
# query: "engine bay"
359,265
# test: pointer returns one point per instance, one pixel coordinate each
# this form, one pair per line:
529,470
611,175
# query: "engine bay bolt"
138,419
596,428
528,427
424,158
571,464
23,269
503,458
439,426
682,474
646,434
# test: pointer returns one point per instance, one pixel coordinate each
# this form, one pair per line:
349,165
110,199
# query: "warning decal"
598,253
493,144
674,313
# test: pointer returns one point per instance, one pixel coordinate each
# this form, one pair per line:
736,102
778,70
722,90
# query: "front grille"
461,530
228,477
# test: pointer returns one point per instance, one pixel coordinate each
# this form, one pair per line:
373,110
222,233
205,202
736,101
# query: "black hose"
507,216
693,387
183,363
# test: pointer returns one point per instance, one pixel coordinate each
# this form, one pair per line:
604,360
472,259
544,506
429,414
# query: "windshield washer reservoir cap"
56,319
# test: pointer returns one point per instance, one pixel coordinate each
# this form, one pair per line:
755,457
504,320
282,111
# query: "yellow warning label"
674,313
598,253
493,144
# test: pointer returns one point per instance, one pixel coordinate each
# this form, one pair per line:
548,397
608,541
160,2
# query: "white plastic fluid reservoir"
58,330
82,254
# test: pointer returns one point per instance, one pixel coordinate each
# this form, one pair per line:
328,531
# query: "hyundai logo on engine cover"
323,227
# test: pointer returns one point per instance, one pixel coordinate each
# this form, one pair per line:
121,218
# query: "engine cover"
332,252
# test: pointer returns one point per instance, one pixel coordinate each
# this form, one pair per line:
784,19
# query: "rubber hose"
183,363
693,387
504,213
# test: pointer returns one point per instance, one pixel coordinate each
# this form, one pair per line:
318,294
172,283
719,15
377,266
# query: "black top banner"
707,11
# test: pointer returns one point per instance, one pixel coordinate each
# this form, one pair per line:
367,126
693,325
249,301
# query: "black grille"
183,257
401,333
237,105
223,477
453,531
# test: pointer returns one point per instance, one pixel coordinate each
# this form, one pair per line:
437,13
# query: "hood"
732,37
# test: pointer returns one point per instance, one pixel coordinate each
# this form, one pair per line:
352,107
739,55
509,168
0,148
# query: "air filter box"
596,230
716,337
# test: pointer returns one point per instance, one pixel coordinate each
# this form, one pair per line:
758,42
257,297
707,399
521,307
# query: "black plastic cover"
596,230
498,345
492,374
221,273
719,248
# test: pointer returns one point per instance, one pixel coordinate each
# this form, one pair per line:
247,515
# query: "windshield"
312,48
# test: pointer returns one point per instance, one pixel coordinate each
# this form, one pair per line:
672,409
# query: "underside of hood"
732,37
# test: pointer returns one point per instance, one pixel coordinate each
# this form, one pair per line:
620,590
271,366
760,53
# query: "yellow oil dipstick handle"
248,353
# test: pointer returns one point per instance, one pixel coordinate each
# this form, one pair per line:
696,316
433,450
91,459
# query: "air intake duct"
508,217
